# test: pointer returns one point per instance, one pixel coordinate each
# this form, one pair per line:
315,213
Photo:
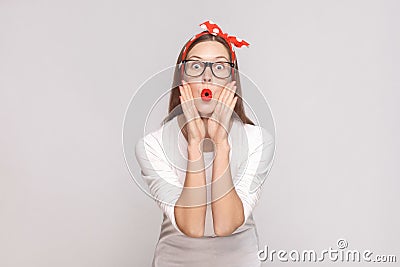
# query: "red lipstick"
206,94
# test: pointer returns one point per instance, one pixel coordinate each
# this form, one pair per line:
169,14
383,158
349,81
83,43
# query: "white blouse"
162,156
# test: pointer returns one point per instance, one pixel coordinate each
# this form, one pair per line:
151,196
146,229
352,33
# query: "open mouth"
206,94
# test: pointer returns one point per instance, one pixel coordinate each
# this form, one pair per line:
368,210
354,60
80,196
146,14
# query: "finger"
191,104
228,91
191,113
230,96
214,116
182,92
230,85
233,84
184,89
234,87
222,100
188,92
227,113
233,104
182,102
217,111
219,104
184,108
231,109
187,109
222,96
189,88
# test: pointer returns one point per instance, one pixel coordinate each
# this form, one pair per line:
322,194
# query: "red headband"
211,27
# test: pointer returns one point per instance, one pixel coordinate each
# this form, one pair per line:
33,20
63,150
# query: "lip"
206,94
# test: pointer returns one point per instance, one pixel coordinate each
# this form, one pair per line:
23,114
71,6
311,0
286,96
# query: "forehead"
208,50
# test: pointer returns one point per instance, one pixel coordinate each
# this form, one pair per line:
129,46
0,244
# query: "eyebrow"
215,57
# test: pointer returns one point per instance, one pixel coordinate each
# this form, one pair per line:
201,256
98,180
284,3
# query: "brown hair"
175,108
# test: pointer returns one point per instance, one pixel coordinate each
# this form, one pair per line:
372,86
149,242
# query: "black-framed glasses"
220,69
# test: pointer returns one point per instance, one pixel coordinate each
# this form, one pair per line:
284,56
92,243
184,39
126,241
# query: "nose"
207,75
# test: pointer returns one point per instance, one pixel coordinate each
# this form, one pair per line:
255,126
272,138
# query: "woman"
205,165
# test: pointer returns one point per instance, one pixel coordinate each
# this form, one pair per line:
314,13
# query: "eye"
196,66
219,66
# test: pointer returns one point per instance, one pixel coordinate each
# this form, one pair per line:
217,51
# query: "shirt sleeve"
162,181
253,170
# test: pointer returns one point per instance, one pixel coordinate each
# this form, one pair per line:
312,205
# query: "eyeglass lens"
219,69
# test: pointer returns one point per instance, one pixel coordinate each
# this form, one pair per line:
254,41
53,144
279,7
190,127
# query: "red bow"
212,28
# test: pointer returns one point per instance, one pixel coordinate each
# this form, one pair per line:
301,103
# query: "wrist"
195,147
223,146
195,153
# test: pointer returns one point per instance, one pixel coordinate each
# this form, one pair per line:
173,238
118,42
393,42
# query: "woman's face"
208,51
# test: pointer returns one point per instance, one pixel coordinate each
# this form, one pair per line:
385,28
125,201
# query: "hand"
218,123
195,125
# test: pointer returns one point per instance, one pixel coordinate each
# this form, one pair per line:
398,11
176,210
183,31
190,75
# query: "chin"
205,112
205,108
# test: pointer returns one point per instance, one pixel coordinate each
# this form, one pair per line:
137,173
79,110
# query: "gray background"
329,70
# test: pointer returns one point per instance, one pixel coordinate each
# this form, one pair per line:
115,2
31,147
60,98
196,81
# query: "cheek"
196,88
217,93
